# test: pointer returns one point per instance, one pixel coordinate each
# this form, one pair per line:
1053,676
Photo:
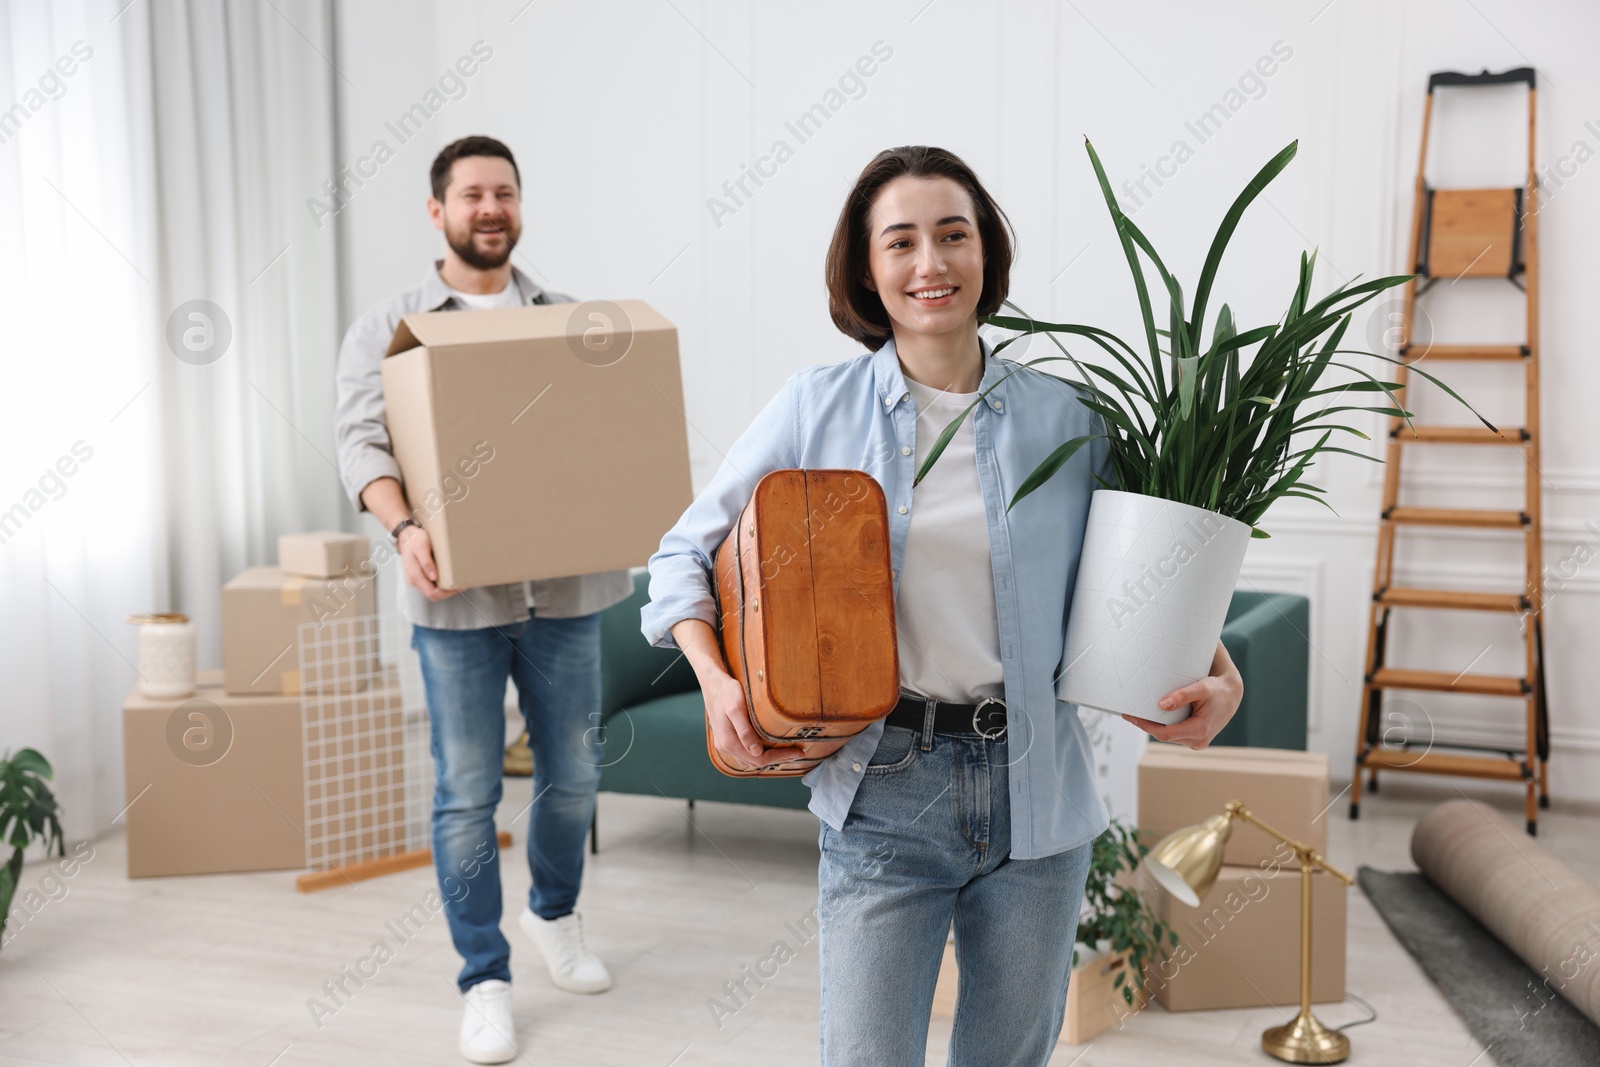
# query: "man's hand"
385,498
416,553
1215,698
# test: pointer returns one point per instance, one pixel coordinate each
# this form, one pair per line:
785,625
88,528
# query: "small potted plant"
1117,936
28,812
1204,437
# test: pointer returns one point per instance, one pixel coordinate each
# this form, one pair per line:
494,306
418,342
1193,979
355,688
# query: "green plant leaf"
941,443
1306,496
1107,341
1346,451
1046,470
29,761
8,888
1453,394
949,432
1118,219
1230,222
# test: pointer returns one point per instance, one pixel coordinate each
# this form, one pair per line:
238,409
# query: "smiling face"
481,215
924,255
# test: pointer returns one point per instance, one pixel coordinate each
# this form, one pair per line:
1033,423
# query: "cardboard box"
1288,790
213,782
323,554
262,610
1241,947
219,782
539,442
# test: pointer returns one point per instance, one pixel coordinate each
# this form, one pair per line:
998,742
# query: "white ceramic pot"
166,655
1154,583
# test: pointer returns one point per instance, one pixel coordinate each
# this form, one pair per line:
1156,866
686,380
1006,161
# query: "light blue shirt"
858,414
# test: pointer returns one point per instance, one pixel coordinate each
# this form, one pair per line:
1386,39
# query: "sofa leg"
594,831
691,805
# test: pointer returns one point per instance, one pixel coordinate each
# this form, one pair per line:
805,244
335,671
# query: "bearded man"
543,635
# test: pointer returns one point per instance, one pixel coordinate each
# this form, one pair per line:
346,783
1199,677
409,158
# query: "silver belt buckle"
977,726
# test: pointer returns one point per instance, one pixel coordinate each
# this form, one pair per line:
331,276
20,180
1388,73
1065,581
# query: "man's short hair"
476,145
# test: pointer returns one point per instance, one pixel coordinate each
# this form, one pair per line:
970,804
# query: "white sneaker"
487,1033
572,966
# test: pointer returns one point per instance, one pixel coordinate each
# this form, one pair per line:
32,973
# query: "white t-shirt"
945,615
508,297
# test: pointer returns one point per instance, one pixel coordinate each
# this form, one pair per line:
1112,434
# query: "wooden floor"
222,970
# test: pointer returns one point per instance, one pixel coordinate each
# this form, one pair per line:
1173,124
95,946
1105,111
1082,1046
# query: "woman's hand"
1215,698
726,712
731,731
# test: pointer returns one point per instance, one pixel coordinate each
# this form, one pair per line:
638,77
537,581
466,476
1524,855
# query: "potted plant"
1199,455
28,811
1117,937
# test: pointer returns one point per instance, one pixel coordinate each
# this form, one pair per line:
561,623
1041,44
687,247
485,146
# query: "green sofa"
654,720
1268,637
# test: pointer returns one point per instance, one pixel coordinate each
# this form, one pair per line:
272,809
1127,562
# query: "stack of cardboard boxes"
1241,947
272,754
510,488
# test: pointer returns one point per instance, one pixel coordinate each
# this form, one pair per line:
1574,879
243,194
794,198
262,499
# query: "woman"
973,802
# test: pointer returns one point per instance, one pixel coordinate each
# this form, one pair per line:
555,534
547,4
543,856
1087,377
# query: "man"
544,635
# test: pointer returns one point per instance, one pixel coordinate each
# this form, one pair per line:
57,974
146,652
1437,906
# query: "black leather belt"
987,719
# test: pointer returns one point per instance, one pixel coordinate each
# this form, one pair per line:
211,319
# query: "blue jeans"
927,841
556,666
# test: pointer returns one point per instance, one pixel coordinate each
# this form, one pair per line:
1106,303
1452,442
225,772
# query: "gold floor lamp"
1185,864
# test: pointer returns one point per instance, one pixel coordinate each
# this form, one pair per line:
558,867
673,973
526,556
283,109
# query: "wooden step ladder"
1464,233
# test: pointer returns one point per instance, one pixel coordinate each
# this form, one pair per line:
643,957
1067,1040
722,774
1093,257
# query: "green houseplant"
28,812
1204,436
1118,917
1118,937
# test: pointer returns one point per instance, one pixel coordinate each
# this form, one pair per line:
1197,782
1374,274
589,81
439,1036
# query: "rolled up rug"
1537,905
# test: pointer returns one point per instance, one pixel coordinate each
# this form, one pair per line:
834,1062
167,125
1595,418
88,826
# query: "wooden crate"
1094,1003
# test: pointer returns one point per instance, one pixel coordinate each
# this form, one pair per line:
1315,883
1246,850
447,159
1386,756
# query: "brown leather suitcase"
805,593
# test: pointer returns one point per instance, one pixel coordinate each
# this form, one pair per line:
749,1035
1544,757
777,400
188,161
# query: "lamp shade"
1185,862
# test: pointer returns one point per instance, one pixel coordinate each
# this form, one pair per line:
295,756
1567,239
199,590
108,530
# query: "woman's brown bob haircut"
857,310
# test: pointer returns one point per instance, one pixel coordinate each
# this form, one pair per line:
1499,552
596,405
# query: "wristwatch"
394,534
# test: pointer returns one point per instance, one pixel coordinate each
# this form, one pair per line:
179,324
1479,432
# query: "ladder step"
1450,599
1467,352
1402,759
1498,685
1459,435
1505,520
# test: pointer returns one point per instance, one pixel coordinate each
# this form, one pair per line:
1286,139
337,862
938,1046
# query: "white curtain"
171,165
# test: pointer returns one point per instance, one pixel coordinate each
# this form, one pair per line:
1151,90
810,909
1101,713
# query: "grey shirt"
366,454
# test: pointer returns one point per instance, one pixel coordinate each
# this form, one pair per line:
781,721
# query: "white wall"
628,117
